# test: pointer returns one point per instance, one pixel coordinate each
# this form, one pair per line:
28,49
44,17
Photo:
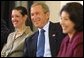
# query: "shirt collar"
21,31
45,27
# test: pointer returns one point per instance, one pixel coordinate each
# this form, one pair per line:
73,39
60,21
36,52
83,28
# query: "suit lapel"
34,43
52,39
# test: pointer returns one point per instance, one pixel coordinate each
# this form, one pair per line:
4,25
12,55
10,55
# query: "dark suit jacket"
55,38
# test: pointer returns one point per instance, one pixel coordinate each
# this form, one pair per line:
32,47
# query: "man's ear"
47,14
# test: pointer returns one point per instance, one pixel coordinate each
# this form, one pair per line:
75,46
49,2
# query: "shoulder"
29,38
66,39
55,26
10,36
79,35
78,38
28,30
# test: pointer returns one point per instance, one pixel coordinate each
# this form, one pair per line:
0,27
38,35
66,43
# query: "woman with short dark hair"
72,24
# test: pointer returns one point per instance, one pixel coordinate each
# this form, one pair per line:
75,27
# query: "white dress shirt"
47,52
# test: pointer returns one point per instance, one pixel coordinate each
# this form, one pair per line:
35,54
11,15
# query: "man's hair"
44,6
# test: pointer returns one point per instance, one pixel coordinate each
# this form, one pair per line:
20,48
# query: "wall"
55,7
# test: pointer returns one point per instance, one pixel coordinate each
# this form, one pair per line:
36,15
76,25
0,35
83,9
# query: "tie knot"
42,30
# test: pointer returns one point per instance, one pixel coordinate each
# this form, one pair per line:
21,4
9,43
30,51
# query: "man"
53,34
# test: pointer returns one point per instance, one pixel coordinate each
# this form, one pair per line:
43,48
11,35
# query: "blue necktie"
41,44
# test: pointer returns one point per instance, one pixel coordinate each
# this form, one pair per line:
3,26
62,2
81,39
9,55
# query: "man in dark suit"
53,33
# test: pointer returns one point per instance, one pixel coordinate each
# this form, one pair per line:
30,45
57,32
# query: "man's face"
38,17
